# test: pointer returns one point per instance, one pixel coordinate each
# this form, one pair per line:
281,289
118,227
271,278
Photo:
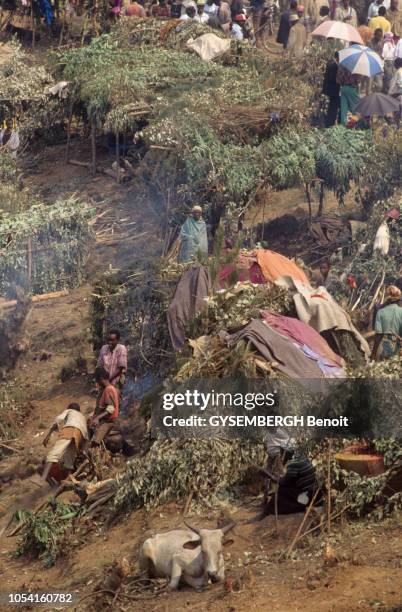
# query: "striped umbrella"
361,60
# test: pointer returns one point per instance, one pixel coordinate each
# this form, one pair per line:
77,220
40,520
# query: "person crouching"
73,432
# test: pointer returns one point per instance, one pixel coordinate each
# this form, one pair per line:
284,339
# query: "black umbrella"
377,104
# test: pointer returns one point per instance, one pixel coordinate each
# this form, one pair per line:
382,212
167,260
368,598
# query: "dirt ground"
367,571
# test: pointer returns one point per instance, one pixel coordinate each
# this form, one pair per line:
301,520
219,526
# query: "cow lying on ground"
192,556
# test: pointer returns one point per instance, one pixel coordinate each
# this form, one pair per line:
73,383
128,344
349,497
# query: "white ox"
191,556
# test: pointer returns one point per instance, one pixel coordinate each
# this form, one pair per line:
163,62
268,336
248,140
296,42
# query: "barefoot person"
72,427
113,358
107,407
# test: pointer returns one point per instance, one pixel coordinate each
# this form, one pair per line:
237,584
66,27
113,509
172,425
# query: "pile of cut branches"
204,469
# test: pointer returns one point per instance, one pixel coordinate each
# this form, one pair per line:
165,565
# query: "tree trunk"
93,147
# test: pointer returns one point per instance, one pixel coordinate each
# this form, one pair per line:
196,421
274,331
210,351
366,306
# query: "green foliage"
24,95
43,534
209,468
60,238
340,157
290,158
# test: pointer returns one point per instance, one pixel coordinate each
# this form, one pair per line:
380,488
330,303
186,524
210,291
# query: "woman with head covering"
193,236
388,326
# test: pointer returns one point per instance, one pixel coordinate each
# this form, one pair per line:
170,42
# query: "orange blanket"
274,265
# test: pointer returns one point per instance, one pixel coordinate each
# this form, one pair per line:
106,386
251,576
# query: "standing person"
297,37
284,24
377,43
380,21
395,87
189,14
346,13
201,16
73,431
107,407
161,10
349,93
373,9
388,55
224,16
330,88
237,30
193,236
113,358
257,9
394,16
175,9
388,327
323,15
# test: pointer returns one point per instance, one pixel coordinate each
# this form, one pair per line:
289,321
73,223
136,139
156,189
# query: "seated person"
107,408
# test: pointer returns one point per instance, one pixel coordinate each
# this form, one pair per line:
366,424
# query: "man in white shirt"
73,431
201,16
373,9
398,49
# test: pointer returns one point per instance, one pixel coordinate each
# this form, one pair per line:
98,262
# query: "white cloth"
209,46
185,17
388,51
211,9
398,49
381,240
63,452
72,418
201,18
237,32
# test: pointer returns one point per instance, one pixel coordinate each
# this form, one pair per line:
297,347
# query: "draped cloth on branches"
275,266
209,46
302,334
327,230
189,299
276,349
317,308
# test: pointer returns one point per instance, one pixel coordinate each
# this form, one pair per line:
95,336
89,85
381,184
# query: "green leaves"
60,239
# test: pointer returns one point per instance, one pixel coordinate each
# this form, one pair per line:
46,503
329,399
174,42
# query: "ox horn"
228,527
195,529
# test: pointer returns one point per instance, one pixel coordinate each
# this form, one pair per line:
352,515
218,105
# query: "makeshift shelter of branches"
173,469
25,101
44,248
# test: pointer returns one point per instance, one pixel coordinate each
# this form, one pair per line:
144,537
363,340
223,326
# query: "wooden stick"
37,298
329,487
305,517
188,502
14,450
93,147
70,118
29,254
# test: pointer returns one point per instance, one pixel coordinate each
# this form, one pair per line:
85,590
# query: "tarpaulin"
189,299
275,266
